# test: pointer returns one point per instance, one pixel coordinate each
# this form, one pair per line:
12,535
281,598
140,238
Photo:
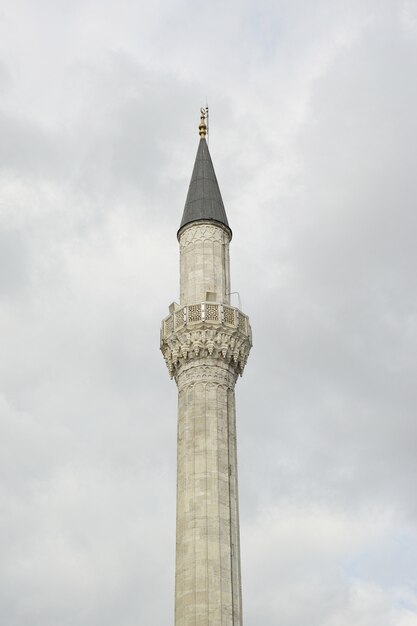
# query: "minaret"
206,342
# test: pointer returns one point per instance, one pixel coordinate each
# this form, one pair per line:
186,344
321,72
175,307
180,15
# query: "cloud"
296,548
312,137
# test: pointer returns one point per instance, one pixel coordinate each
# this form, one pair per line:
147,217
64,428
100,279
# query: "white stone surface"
204,263
205,350
208,588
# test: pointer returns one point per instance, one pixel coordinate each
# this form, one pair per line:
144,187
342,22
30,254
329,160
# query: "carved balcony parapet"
206,329
206,314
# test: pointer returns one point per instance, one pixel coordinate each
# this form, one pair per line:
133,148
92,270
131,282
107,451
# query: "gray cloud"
312,137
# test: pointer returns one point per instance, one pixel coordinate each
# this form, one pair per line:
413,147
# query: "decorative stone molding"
226,339
203,232
217,373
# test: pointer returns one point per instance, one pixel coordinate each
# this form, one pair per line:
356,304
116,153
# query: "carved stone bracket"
228,345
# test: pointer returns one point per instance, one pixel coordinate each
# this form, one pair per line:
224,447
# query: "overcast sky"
313,135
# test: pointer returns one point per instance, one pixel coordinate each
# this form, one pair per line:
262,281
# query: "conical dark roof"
204,200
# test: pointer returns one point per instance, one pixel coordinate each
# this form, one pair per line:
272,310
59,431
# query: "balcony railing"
209,313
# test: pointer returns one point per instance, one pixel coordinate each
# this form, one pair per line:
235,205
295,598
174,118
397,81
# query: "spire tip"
202,129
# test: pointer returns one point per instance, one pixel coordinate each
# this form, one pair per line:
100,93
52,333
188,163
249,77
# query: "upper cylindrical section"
204,263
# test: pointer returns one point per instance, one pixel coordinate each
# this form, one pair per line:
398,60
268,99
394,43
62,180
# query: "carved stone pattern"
229,315
206,314
179,318
206,374
169,325
227,345
194,312
212,312
203,232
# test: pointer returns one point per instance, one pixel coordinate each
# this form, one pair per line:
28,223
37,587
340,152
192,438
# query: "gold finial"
202,129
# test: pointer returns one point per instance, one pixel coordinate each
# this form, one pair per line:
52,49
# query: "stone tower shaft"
204,263
205,343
